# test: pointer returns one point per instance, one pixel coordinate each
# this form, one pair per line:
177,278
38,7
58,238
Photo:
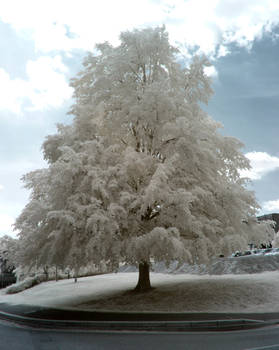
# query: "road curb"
162,326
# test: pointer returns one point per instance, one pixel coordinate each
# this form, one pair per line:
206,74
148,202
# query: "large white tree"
142,174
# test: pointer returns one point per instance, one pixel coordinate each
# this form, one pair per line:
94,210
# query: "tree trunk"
144,278
46,272
75,274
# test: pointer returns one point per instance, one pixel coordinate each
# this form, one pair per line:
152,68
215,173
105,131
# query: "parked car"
236,254
247,252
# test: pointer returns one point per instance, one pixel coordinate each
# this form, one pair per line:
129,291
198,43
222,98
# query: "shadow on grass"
221,295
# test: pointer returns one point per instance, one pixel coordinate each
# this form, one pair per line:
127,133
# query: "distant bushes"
25,284
28,278
7,279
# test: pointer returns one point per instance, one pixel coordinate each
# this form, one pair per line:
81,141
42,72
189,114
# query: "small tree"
8,254
142,174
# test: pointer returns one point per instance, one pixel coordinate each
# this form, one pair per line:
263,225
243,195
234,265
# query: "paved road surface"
15,338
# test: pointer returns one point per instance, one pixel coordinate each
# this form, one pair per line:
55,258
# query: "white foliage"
142,173
159,244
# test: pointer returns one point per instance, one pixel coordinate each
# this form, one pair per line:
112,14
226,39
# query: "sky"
43,44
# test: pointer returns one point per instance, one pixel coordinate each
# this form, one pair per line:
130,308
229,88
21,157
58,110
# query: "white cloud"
68,24
47,82
261,163
222,51
46,86
12,91
15,196
271,206
211,72
6,222
210,24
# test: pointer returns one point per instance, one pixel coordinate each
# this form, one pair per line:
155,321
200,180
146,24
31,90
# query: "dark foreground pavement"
19,338
42,317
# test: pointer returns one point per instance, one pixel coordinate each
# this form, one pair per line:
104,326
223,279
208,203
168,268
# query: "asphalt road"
17,335
18,338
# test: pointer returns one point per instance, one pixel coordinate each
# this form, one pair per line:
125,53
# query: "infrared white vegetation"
142,173
173,293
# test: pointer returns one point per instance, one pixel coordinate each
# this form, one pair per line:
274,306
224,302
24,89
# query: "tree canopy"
142,174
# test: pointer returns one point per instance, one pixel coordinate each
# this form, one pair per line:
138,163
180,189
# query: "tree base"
143,284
